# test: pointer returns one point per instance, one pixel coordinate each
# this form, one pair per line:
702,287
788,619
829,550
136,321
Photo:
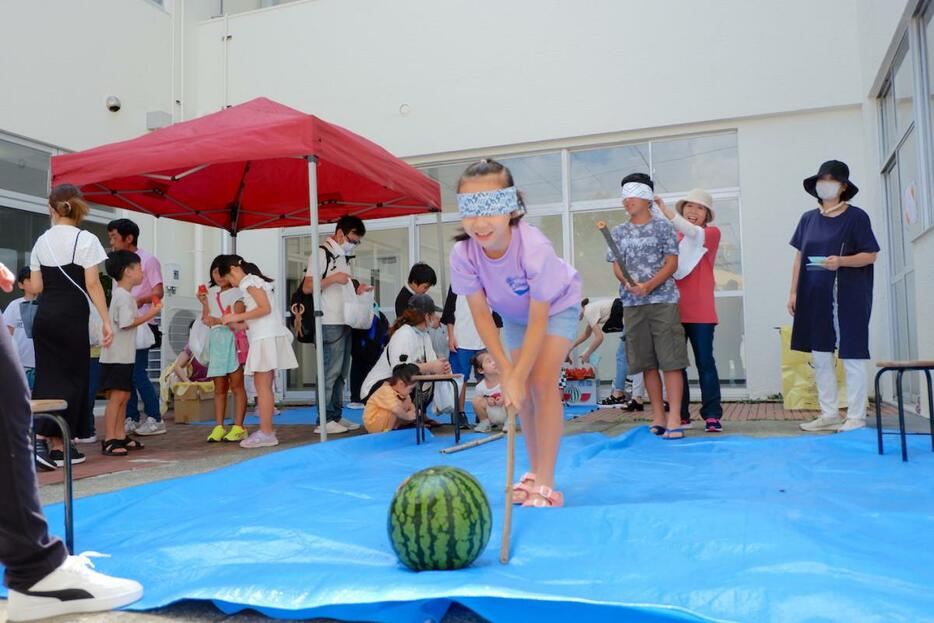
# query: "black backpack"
614,324
302,306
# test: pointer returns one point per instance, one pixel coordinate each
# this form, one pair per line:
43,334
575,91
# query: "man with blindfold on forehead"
654,336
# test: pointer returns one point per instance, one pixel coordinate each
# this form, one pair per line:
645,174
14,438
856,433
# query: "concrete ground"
182,452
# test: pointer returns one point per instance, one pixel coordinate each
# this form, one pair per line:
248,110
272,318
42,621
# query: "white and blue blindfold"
499,202
638,190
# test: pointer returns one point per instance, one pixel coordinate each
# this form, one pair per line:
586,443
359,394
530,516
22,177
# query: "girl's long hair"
409,317
485,167
215,264
226,262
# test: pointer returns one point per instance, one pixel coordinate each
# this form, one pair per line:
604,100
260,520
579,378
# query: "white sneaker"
259,439
356,406
151,427
483,427
822,423
73,587
852,424
91,439
130,426
348,424
332,428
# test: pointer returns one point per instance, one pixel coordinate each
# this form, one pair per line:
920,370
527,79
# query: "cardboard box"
580,393
194,402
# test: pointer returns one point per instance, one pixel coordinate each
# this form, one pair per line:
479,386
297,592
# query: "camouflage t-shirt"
644,248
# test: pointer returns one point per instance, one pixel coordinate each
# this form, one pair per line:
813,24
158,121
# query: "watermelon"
439,519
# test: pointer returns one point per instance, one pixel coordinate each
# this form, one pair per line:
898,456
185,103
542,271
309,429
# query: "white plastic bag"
145,338
358,309
445,401
199,339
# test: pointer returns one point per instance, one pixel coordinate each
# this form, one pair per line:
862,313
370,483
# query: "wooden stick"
472,444
510,468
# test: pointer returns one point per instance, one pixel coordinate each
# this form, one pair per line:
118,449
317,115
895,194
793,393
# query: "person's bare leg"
235,380
674,386
122,398
479,407
265,401
549,412
653,386
220,399
527,417
110,416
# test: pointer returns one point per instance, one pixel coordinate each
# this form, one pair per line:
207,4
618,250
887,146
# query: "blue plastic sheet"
710,528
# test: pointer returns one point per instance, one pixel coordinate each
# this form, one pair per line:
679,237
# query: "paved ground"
183,452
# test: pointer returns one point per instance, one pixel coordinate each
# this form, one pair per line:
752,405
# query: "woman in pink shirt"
503,263
697,253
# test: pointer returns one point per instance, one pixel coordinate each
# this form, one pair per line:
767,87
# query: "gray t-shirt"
644,248
122,314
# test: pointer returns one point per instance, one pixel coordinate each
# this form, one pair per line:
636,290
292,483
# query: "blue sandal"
673,431
657,430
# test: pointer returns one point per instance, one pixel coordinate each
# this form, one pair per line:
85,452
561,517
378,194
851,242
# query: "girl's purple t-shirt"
530,269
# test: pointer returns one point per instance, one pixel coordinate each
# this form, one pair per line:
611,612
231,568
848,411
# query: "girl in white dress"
270,340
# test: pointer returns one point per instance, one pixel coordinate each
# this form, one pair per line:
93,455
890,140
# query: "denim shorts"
563,324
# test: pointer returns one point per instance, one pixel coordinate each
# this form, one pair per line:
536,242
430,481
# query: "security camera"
113,103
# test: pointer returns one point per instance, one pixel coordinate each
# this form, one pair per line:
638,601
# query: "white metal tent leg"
320,391
442,261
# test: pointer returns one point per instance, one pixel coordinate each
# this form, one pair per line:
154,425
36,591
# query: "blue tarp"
710,528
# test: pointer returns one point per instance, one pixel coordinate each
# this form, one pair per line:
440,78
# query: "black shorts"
117,376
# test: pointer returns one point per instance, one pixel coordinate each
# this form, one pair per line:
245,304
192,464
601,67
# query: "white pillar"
320,393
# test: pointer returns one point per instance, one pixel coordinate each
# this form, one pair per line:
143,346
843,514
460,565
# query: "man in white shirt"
12,316
124,236
335,335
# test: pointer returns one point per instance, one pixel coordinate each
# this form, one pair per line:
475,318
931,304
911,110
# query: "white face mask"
828,189
348,247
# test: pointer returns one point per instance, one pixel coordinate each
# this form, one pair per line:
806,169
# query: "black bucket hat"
836,170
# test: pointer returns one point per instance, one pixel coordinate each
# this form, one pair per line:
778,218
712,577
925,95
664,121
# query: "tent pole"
320,391
233,244
442,261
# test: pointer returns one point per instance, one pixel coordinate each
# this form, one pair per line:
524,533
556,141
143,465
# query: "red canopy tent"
256,165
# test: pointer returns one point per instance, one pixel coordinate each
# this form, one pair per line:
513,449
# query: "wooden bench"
45,410
900,368
421,399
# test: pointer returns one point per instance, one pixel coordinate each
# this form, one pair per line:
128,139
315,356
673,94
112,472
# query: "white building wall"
559,74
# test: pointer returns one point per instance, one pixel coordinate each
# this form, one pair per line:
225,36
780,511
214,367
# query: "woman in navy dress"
831,294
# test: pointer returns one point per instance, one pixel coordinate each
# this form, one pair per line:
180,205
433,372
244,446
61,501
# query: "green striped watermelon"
439,519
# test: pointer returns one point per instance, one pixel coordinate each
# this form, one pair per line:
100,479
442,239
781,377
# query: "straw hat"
700,197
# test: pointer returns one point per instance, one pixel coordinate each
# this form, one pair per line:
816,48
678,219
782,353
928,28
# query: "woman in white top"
270,340
64,264
409,342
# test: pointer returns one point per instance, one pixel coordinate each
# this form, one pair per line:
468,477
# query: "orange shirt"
378,416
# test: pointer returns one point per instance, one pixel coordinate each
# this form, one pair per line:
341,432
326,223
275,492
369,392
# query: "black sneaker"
712,425
462,421
44,461
634,405
59,457
612,402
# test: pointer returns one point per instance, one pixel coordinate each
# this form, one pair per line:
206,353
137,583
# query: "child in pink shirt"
503,263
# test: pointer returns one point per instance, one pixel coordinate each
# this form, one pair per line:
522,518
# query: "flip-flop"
657,430
673,431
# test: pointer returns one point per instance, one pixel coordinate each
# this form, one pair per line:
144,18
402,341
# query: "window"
904,94
596,173
19,231
929,44
699,162
23,169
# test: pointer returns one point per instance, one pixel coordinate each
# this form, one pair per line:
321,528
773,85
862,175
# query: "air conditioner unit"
178,312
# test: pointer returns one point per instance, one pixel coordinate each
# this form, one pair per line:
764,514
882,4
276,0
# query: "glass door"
382,260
